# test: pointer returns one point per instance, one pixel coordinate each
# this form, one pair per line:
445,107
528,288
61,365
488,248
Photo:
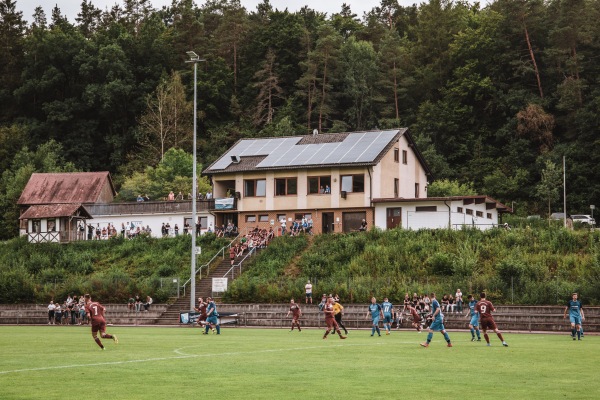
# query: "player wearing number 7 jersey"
95,313
486,321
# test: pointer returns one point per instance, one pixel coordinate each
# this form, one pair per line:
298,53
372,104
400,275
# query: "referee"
338,312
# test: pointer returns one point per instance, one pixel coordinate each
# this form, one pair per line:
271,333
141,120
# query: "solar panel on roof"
356,147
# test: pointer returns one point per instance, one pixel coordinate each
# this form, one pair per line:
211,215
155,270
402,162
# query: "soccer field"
180,363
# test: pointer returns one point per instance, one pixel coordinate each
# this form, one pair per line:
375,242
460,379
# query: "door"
327,226
394,217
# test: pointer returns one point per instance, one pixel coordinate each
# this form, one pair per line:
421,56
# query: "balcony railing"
149,207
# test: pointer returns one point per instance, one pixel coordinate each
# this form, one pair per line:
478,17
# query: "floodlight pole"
194,58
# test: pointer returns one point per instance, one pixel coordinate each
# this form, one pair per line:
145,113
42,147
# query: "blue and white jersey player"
438,322
576,316
374,312
474,322
388,309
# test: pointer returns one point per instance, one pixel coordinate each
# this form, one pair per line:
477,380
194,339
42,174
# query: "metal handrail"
239,264
207,264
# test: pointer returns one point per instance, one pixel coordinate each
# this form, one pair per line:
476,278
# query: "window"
250,218
319,184
489,215
396,187
51,225
426,208
404,157
479,213
397,155
255,188
299,217
353,183
459,209
36,226
416,190
469,211
286,186
263,218
281,217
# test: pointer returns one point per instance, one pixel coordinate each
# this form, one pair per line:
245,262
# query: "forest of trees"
495,96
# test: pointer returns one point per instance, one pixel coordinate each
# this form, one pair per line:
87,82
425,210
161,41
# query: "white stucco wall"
411,219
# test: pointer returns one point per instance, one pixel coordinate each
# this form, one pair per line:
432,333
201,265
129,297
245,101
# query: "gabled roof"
65,188
311,151
470,199
54,211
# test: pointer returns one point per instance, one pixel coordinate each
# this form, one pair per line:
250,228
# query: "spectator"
140,199
90,235
146,198
363,226
459,301
51,312
138,303
148,303
58,314
130,303
450,303
179,196
98,232
176,230
186,227
327,189
171,196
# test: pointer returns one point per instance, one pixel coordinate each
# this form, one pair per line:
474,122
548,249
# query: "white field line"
182,355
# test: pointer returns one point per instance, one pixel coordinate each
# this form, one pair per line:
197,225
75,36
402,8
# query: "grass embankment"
521,266
540,265
112,269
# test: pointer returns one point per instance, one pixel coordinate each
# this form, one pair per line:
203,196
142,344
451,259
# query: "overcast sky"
71,8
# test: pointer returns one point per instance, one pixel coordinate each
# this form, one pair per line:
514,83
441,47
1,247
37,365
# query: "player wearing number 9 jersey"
486,321
95,314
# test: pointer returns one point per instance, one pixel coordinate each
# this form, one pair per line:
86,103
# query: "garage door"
351,220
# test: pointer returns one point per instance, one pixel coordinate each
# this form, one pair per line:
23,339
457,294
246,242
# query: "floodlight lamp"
192,55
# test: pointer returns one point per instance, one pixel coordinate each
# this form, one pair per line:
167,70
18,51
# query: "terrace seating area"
508,318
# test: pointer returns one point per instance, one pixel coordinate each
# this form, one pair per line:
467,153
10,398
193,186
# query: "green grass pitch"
180,363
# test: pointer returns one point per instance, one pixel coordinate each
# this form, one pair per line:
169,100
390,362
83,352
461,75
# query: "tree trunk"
535,67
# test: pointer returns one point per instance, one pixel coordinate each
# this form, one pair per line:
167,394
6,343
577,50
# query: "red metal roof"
54,211
65,188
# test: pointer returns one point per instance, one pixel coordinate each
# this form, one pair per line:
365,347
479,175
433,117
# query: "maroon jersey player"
330,319
486,321
296,313
202,310
95,314
416,318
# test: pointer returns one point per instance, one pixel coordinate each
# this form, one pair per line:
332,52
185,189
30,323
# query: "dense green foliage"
490,94
530,265
113,270
265,362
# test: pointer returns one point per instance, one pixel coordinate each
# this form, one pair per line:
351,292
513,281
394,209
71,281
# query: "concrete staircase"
203,289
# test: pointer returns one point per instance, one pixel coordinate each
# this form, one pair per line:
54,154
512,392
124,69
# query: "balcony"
154,207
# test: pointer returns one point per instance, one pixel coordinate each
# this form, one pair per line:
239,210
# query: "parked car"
557,215
584,219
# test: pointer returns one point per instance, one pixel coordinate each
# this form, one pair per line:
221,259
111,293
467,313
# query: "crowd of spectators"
69,312
298,226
